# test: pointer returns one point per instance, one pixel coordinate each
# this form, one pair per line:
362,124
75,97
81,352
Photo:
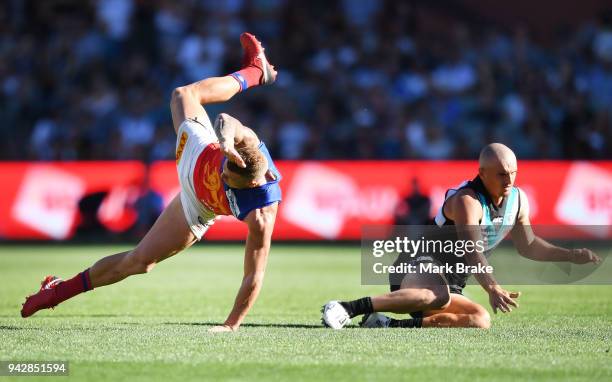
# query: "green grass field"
154,327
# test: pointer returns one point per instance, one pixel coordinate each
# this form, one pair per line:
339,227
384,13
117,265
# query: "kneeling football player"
475,209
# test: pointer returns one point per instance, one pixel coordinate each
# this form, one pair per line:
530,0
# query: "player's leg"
460,313
417,292
187,100
168,236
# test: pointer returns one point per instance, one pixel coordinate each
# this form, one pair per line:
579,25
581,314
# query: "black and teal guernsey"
495,225
497,221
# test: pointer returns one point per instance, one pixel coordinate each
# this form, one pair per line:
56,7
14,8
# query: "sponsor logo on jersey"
181,146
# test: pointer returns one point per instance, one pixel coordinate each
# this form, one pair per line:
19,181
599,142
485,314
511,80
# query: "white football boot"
375,320
334,315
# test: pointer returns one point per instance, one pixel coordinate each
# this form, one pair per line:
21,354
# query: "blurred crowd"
357,79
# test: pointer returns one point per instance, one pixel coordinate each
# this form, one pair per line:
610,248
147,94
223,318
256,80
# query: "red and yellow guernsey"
223,200
207,180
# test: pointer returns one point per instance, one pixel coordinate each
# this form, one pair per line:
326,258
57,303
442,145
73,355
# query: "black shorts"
455,281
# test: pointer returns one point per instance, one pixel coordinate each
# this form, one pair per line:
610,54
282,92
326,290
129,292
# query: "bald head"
495,154
497,169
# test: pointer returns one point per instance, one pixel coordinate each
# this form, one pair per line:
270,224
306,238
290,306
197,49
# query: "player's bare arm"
535,248
465,210
261,224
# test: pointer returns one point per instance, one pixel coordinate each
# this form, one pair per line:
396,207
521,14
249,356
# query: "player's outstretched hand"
221,329
503,300
584,256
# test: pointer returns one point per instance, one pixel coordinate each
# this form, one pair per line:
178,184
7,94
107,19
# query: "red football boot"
44,299
254,56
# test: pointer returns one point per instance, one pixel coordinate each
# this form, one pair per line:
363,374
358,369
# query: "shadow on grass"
64,329
114,327
9,327
16,315
255,325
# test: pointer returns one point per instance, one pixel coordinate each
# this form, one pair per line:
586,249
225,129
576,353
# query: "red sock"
70,288
247,77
